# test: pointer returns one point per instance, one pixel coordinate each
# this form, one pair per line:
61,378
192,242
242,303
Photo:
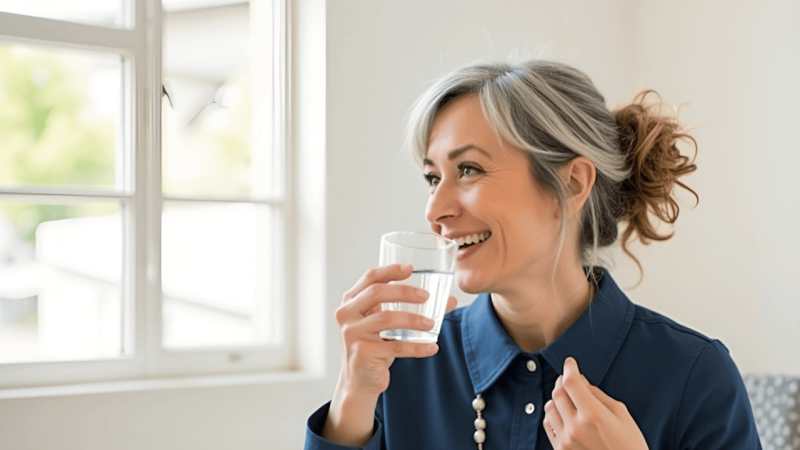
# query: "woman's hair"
554,113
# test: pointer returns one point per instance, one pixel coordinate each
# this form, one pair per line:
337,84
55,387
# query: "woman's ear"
579,176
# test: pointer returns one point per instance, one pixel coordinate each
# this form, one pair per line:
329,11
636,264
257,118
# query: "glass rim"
447,247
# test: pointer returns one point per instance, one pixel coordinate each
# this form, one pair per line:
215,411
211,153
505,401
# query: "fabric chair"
776,407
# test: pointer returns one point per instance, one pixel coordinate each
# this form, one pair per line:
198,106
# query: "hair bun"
648,138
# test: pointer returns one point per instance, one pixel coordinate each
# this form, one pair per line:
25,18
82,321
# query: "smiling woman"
531,174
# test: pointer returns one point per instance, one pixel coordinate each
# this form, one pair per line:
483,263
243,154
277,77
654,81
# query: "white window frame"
141,45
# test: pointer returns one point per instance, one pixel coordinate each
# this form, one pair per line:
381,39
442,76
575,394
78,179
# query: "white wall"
726,272
731,269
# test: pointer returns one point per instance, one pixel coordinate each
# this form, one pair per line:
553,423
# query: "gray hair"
554,113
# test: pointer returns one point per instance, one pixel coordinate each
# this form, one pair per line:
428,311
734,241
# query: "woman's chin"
470,283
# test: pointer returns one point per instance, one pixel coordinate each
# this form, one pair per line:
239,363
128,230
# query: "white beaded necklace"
480,423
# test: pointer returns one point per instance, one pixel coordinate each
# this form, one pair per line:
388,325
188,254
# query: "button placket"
531,366
527,407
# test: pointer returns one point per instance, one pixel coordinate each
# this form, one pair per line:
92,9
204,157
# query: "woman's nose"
442,206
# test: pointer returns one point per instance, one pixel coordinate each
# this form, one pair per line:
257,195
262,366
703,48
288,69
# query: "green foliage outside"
47,136
50,136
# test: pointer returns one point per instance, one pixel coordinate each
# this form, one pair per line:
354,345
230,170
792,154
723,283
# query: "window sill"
153,384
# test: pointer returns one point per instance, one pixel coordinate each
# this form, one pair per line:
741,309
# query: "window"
143,189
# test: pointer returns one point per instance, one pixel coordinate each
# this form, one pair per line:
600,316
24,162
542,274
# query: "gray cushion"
776,407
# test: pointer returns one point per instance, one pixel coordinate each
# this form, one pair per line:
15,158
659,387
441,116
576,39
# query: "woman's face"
481,186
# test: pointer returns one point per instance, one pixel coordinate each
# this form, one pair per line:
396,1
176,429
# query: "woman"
552,354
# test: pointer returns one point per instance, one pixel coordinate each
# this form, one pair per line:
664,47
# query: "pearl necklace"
480,423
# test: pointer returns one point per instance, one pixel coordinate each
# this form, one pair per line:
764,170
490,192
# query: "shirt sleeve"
715,411
316,422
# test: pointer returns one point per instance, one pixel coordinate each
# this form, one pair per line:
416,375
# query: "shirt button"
531,366
529,408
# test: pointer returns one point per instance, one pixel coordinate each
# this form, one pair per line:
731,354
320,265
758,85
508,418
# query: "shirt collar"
593,340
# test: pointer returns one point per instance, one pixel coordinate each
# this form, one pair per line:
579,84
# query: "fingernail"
422,293
428,322
406,267
433,348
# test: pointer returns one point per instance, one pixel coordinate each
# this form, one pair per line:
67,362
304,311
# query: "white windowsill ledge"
151,384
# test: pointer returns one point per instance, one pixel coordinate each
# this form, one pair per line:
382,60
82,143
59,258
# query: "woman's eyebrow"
457,152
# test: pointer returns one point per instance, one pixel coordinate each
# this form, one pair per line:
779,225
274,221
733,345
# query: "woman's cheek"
472,198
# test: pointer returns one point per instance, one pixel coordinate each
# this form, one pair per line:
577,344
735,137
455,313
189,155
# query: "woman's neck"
539,309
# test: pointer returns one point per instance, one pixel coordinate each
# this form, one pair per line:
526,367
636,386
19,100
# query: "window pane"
60,282
107,13
217,264
210,147
60,116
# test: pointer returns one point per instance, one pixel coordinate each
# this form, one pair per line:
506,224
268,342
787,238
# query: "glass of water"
434,259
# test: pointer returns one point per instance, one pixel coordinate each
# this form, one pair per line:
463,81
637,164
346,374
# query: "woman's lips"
468,250
473,239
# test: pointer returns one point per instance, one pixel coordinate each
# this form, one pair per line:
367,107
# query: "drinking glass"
434,259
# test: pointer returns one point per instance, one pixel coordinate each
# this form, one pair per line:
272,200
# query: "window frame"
141,46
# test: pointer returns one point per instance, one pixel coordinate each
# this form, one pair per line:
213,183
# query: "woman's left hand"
581,416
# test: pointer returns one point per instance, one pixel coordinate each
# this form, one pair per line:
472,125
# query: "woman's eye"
463,171
432,179
468,170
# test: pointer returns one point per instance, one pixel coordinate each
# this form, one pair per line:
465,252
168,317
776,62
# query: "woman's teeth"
477,238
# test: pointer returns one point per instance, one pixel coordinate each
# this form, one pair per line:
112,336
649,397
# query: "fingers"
366,301
613,405
583,416
551,433
452,303
384,274
566,408
399,349
577,387
553,423
391,320
373,310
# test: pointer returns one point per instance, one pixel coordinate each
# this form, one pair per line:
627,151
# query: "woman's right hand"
366,356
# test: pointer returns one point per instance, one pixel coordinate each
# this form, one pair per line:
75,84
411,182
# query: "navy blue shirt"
682,388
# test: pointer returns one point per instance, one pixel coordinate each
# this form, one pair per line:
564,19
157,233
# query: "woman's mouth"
468,241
